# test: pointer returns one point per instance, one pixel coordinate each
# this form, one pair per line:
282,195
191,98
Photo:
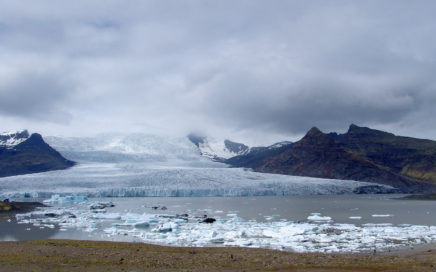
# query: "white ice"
382,215
150,165
310,236
142,179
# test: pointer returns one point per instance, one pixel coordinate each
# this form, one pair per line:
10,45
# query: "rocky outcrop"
30,156
236,148
360,154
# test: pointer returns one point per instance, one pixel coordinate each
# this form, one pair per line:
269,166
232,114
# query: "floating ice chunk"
217,241
111,231
355,217
382,215
377,225
317,217
101,205
166,227
142,225
108,216
236,219
68,199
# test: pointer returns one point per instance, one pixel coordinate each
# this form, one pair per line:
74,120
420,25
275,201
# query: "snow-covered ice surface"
126,147
317,234
148,165
213,148
137,179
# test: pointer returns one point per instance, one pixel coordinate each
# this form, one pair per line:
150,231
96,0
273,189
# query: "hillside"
361,154
29,155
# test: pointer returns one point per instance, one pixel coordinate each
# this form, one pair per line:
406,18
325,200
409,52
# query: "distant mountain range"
361,154
217,150
221,151
24,154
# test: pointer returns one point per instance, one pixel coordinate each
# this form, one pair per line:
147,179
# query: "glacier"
142,165
138,180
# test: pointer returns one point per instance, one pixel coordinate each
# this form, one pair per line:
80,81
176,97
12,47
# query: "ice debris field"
319,233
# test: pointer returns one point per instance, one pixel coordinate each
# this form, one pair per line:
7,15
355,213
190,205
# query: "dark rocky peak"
354,130
197,139
32,155
234,147
34,140
314,131
315,137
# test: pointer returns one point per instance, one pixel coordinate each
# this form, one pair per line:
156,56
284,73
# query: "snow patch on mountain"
279,145
11,139
218,150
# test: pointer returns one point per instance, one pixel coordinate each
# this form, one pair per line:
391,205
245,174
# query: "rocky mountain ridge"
361,154
24,154
221,151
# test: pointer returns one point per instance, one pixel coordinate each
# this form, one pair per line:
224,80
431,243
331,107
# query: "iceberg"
317,217
382,215
320,235
68,199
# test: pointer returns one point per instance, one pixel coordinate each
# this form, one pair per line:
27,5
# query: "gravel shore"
72,255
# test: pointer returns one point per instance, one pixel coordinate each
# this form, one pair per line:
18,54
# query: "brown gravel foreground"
69,255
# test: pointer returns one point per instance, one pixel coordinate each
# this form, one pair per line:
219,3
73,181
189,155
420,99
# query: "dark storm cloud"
250,67
34,96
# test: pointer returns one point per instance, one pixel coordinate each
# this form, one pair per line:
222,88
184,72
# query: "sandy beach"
70,255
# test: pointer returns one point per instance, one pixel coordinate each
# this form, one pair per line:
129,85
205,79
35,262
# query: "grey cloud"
223,66
34,96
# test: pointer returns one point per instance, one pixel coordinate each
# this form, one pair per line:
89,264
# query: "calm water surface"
386,208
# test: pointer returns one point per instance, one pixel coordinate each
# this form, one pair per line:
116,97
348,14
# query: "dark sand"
70,255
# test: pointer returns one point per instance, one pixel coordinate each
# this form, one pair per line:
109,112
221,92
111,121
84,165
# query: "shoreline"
74,255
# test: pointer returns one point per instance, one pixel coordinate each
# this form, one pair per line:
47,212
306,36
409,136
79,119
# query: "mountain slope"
30,155
217,150
410,157
360,154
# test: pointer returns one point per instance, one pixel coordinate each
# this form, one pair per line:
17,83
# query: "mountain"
257,156
361,154
11,139
217,150
225,151
24,154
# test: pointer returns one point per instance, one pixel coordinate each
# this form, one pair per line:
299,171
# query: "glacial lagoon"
315,223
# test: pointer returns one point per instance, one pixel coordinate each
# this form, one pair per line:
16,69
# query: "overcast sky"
257,71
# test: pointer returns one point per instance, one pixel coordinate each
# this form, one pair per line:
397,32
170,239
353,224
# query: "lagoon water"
321,223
